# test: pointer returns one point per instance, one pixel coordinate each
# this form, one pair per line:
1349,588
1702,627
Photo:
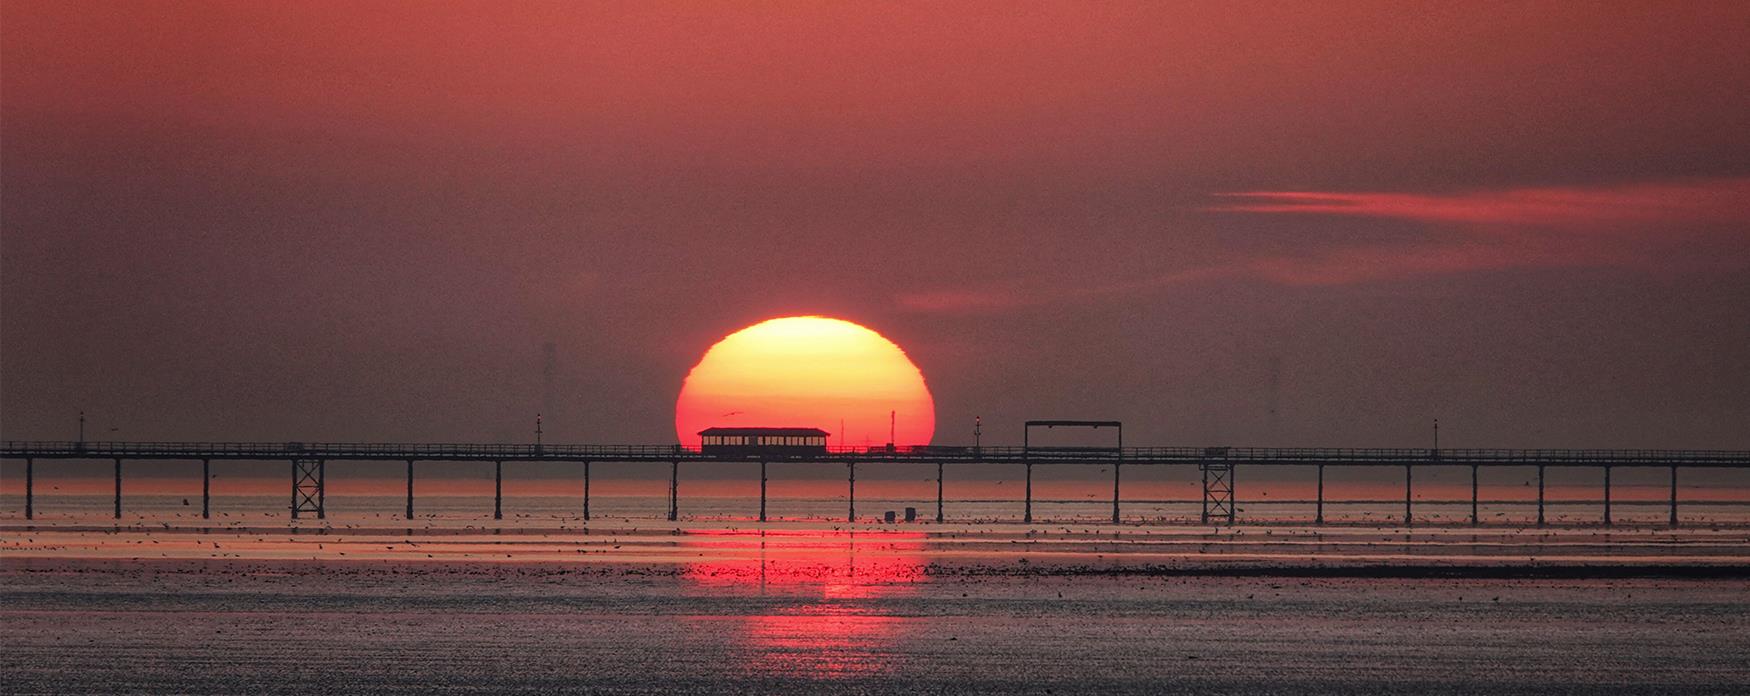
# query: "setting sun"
808,372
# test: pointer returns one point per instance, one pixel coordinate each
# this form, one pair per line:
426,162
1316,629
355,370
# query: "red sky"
1246,223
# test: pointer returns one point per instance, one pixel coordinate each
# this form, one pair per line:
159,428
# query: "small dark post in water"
30,489
762,491
1607,496
1028,517
206,488
1540,495
410,489
1673,496
586,490
852,515
1473,495
498,490
1319,512
118,488
1407,475
938,491
674,490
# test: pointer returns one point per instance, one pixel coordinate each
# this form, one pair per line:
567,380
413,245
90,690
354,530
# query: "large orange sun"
808,372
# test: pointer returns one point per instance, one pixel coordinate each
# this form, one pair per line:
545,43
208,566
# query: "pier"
1219,466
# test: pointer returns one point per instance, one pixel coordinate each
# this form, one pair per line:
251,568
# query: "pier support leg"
30,489
206,489
586,491
1673,496
1233,500
674,490
1607,496
1473,495
938,492
1116,467
410,489
1218,491
1408,518
851,516
118,488
762,491
1028,516
1319,510
1540,495
498,490
1204,518
309,487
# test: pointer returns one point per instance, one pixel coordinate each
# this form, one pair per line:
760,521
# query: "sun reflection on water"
827,619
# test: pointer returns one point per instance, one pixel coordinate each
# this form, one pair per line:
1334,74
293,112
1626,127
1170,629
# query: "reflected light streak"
833,629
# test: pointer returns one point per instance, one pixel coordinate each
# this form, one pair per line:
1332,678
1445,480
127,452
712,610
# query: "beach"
633,605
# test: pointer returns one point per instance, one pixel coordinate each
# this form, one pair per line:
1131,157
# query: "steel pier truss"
1218,491
308,487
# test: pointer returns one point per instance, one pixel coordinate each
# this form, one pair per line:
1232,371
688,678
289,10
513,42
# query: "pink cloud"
1689,202
1696,223
1672,225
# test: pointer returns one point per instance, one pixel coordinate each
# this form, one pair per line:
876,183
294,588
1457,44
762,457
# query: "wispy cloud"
1681,203
1698,222
1682,224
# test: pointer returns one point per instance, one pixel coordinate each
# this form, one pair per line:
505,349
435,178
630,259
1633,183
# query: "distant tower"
549,365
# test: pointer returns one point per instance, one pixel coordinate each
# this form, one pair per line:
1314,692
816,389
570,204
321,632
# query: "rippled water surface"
638,606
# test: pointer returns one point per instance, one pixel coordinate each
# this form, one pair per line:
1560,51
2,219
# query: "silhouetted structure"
763,442
1116,451
1219,464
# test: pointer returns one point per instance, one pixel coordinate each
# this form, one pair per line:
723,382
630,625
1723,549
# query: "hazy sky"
1223,223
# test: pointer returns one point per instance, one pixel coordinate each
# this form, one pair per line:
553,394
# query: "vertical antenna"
892,417
1436,437
537,430
978,432
81,427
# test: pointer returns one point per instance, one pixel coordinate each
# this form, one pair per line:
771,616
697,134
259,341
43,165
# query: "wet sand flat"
648,608
1269,548
212,627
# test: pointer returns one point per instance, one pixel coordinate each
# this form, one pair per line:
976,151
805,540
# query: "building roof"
781,432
